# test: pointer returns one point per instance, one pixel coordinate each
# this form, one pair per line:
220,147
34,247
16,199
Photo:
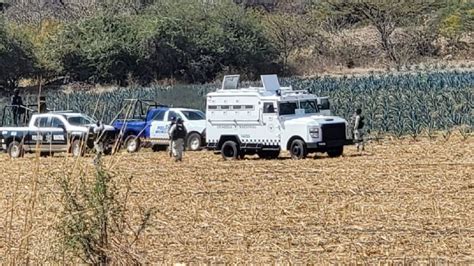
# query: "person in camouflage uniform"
358,127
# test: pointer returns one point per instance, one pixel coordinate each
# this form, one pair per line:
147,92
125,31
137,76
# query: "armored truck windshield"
289,108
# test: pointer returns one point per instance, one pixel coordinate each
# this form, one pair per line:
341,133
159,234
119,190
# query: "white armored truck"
270,119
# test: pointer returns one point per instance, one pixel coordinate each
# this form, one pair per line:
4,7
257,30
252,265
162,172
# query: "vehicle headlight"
314,132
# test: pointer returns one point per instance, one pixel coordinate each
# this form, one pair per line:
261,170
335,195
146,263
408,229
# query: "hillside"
186,41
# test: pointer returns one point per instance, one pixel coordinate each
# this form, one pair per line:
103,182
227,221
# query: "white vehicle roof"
271,90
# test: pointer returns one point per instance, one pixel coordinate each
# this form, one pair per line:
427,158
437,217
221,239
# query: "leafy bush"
100,49
16,56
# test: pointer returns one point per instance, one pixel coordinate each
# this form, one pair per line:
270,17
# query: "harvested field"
401,201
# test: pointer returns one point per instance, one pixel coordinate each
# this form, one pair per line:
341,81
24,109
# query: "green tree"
456,19
194,41
100,49
17,59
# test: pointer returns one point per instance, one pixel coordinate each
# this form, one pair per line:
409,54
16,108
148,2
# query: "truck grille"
334,132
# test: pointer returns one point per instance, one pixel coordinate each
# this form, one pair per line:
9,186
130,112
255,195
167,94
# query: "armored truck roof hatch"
230,82
270,82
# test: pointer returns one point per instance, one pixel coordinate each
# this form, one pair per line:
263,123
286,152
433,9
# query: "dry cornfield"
400,201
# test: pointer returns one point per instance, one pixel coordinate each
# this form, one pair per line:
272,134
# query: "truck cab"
147,124
270,119
54,132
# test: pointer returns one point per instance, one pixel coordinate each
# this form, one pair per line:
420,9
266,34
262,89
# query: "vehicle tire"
132,143
193,142
335,152
298,149
15,149
268,154
46,154
157,148
229,150
77,148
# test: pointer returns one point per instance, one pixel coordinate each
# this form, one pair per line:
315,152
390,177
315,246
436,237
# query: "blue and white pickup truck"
152,129
54,132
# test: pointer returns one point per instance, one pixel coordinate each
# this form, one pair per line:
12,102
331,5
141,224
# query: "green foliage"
16,56
42,37
184,40
100,49
195,42
456,19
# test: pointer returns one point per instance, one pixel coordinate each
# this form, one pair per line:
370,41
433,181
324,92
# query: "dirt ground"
400,201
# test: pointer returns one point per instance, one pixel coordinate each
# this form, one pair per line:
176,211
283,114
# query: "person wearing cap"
17,103
177,134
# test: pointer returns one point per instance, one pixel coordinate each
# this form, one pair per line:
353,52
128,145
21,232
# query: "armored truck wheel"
77,148
15,149
229,150
132,143
298,149
335,152
194,142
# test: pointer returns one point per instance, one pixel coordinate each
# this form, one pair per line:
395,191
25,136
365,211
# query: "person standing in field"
177,134
17,106
170,144
358,122
98,141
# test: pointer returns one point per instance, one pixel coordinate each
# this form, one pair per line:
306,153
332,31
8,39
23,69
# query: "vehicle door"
58,134
270,121
167,123
158,127
38,133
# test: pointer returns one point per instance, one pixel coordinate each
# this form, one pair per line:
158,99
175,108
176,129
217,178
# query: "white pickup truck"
54,132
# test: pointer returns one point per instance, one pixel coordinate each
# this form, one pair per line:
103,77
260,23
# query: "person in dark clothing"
177,134
17,106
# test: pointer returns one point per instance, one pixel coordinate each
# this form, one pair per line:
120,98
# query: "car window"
159,116
42,122
288,108
325,104
268,108
172,114
55,122
194,115
79,120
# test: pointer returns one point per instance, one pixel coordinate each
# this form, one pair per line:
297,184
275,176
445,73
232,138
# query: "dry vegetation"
401,201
